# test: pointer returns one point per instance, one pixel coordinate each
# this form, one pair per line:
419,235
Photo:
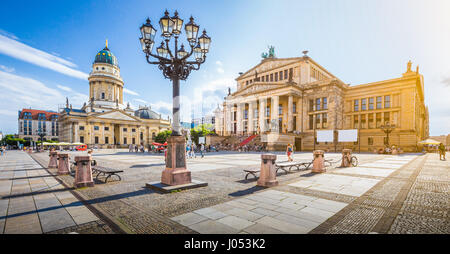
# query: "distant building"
106,120
1,135
32,122
208,119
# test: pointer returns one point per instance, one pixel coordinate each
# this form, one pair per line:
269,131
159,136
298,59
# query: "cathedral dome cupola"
106,56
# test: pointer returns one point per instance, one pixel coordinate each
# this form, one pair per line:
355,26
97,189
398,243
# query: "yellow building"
286,100
105,121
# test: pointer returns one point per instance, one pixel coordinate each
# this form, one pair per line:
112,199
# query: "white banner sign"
348,135
201,140
325,136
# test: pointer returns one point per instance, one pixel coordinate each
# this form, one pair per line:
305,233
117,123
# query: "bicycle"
352,161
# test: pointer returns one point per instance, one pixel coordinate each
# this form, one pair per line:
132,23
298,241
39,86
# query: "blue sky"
47,48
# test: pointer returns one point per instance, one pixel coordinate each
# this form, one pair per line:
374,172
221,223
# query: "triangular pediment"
116,115
256,88
269,64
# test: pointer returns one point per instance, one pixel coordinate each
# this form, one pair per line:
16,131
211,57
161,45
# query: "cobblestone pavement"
343,200
32,201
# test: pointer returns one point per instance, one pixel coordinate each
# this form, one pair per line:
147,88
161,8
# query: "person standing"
188,151
193,151
441,151
130,148
289,151
202,149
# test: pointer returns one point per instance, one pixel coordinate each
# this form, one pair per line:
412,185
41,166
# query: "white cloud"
8,112
130,92
65,88
7,69
141,101
219,63
220,70
18,50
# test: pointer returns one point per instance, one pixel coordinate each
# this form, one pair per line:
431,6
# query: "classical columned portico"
274,124
250,125
239,118
229,123
262,118
289,114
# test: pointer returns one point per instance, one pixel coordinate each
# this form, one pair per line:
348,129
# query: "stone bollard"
267,177
83,172
318,163
53,163
30,151
346,156
63,164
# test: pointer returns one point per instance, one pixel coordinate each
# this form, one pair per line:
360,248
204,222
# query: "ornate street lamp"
387,128
41,135
175,65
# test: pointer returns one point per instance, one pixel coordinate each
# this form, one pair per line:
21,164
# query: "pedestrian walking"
1,150
188,151
193,151
136,148
130,148
441,151
289,151
202,149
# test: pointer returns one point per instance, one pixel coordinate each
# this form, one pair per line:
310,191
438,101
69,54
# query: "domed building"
105,120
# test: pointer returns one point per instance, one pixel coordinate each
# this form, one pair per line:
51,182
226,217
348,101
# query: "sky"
47,48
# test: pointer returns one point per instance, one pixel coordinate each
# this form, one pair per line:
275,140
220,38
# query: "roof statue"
408,66
270,54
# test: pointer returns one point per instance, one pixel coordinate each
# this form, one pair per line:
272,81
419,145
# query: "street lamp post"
387,128
175,65
41,135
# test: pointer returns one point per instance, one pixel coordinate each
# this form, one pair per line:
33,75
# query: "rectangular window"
363,121
285,74
256,113
124,141
133,130
133,140
355,122
324,120
281,75
370,121
378,102
81,128
267,78
318,121
262,78
106,128
387,118
125,129
246,83
245,114
294,107
280,109
311,122
387,101
271,77
81,139
378,118
96,128
96,140
325,103
276,76
291,72
363,104
356,105
234,115
318,104
106,140
311,105
371,103
370,141
267,111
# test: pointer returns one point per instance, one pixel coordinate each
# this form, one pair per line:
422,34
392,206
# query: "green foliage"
162,136
201,131
10,140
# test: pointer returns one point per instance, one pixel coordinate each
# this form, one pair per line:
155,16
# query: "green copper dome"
106,56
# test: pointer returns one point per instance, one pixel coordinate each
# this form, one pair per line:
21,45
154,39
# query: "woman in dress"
289,151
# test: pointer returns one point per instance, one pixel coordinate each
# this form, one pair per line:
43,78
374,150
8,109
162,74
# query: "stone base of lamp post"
318,163
53,162
63,164
83,173
267,177
176,176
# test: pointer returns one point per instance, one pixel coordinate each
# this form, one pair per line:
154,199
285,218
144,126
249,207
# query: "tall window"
318,104
324,120
291,72
378,119
281,75
355,122
276,76
262,78
363,121
125,129
106,128
96,140
267,78
133,130
124,141
245,114
256,113
103,96
370,141
325,103
133,141
370,121
106,140
387,101
267,111
280,109
271,77
246,83
370,103
387,117
311,122
25,129
285,74
311,105
356,105
318,121
81,139
294,107
96,128
364,104
378,102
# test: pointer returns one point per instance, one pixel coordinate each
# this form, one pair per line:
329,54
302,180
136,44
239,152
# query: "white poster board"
325,136
201,140
348,135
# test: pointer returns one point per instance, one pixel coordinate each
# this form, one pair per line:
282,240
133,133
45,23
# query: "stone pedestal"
268,173
318,163
53,162
63,164
346,155
83,172
176,172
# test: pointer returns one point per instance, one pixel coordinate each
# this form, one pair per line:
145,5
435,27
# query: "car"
81,148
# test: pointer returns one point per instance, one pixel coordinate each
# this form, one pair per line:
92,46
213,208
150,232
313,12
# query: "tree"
200,131
162,136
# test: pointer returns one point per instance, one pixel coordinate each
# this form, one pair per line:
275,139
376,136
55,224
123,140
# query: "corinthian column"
239,118
289,114
262,116
274,124
250,128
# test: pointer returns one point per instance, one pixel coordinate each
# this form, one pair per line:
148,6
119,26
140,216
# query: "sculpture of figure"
270,54
408,66
229,91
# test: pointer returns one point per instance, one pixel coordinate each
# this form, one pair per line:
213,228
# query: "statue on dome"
408,66
270,54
